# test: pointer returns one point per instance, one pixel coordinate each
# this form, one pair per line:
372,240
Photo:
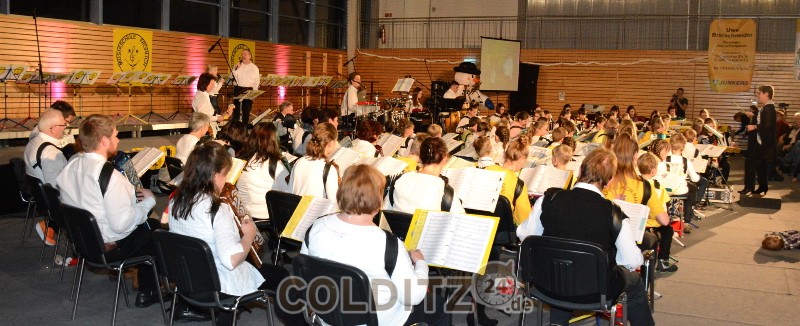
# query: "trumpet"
230,196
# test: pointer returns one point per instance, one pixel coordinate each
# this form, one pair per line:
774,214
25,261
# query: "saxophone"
230,196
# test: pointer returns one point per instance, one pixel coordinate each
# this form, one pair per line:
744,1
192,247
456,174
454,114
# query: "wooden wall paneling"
69,45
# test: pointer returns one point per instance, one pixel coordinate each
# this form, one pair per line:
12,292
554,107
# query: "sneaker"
49,240
663,266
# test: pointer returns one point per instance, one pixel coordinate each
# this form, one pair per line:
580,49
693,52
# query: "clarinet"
230,196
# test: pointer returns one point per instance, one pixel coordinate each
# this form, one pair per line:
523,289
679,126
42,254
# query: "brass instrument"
230,196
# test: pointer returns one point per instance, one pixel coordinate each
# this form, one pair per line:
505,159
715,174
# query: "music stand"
152,80
9,72
77,79
181,80
130,78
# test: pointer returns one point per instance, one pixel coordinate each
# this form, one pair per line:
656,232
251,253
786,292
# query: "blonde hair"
483,146
435,130
562,154
559,134
677,142
690,135
647,163
517,149
324,133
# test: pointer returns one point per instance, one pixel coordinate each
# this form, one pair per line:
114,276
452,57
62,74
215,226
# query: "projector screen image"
499,64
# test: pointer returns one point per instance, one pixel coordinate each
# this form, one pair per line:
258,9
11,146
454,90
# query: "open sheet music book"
345,158
449,135
536,152
710,150
452,144
452,240
477,188
544,177
468,152
457,163
585,148
235,171
390,143
261,116
637,213
146,157
403,85
308,210
699,164
587,136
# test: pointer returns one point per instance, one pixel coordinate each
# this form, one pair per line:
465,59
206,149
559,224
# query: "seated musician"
351,238
499,141
689,150
657,131
698,184
313,174
435,130
198,127
483,147
515,158
601,124
628,186
234,136
309,119
405,129
425,189
412,158
520,125
196,210
494,119
707,137
562,154
367,133
475,128
464,123
557,136
569,127
540,133
265,170
559,215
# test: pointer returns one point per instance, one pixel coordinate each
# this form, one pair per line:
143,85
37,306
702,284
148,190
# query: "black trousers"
756,164
215,103
273,275
437,317
664,233
638,307
137,243
242,111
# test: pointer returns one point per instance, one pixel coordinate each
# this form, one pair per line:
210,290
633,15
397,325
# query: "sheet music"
262,115
710,150
146,157
477,188
466,249
575,167
468,151
398,85
699,164
585,148
637,213
390,143
537,152
452,144
386,165
307,211
448,136
457,163
436,238
235,171
544,177
345,157
176,181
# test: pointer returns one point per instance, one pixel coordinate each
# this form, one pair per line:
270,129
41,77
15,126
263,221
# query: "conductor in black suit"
761,141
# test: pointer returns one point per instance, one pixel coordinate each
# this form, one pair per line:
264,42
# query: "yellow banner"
731,54
133,50
235,48
797,52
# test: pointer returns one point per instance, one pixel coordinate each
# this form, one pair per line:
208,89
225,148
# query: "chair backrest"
52,194
399,222
280,206
18,167
506,230
353,287
37,190
189,263
174,166
85,234
564,268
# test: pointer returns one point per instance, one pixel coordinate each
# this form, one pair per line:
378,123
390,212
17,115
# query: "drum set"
392,110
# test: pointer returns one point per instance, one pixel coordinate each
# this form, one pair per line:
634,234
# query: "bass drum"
451,122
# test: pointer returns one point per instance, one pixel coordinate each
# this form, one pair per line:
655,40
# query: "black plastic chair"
18,167
88,243
506,230
53,199
358,291
281,206
399,222
568,269
189,263
45,208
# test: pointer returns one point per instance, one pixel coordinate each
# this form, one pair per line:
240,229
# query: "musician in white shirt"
198,127
247,78
122,212
49,164
697,189
202,101
453,91
348,109
308,174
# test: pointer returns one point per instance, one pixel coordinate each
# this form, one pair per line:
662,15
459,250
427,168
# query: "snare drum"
364,108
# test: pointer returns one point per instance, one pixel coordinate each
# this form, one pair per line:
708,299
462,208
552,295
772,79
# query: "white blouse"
224,241
415,190
306,179
255,182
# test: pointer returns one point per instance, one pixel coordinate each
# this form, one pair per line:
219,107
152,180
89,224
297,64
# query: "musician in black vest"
584,214
761,142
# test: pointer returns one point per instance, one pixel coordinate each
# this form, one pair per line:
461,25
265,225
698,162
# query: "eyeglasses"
64,125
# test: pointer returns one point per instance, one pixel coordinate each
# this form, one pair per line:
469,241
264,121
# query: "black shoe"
760,192
186,314
663,266
745,191
146,298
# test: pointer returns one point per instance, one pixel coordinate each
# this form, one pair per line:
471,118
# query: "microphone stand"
230,68
41,73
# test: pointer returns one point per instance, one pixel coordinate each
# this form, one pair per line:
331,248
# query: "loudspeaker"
758,202
524,98
439,87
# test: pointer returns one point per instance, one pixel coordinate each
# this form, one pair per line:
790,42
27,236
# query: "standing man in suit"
761,141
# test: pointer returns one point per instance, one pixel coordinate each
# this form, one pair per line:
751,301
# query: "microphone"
237,66
214,45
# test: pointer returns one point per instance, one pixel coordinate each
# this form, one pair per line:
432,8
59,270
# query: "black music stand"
179,81
7,73
152,80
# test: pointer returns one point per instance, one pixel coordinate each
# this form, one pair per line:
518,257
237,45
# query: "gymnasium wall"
69,45
603,77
